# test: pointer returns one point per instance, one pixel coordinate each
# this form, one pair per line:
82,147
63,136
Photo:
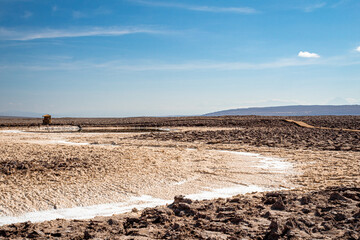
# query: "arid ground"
305,179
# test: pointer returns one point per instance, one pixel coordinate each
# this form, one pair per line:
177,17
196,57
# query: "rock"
134,210
352,196
272,236
184,206
87,235
327,226
270,200
275,230
225,209
339,217
235,200
236,219
112,221
278,205
336,196
307,222
56,234
274,226
266,215
305,210
36,234
176,226
356,215
290,223
352,235
181,198
317,213
305,200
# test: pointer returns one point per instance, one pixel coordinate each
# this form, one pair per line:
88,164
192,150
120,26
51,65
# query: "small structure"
47,119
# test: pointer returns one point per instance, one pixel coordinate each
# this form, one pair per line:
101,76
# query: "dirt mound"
331,213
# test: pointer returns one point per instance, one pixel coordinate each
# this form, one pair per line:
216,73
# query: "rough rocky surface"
333,213
287,136
251,130
324,157
350,122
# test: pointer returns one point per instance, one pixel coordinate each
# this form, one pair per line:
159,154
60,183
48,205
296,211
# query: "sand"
50,171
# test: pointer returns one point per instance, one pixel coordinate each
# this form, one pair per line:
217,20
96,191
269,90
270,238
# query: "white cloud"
7,34
243,10
358,49
308,55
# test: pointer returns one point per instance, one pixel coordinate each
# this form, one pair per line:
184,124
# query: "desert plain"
234,177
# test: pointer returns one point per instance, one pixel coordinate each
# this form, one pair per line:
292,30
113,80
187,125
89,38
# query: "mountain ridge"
291,110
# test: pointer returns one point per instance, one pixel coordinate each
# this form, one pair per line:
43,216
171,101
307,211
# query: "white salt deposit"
139,203
12,131
268,163
69,143
240,153
180,183
87,212
271,164
274,164
226,192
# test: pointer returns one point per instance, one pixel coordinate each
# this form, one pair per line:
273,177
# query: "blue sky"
143,57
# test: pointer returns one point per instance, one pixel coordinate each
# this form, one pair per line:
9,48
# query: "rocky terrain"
351,122
285,136
44,170
332,213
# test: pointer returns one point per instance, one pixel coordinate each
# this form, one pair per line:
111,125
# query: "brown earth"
333,213
40,172
287,136
305,125
325,157
350,122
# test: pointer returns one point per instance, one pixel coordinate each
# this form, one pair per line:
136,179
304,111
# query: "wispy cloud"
308,55
95,12
66,63
243,10
8,34
205,65
188,66
314,7
27,14
78,14
340,2
358,49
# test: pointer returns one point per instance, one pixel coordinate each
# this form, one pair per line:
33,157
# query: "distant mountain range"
298,110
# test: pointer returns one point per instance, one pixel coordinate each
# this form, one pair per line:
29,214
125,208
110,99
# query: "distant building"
46,119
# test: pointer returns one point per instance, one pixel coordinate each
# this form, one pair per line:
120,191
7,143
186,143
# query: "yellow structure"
47,119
